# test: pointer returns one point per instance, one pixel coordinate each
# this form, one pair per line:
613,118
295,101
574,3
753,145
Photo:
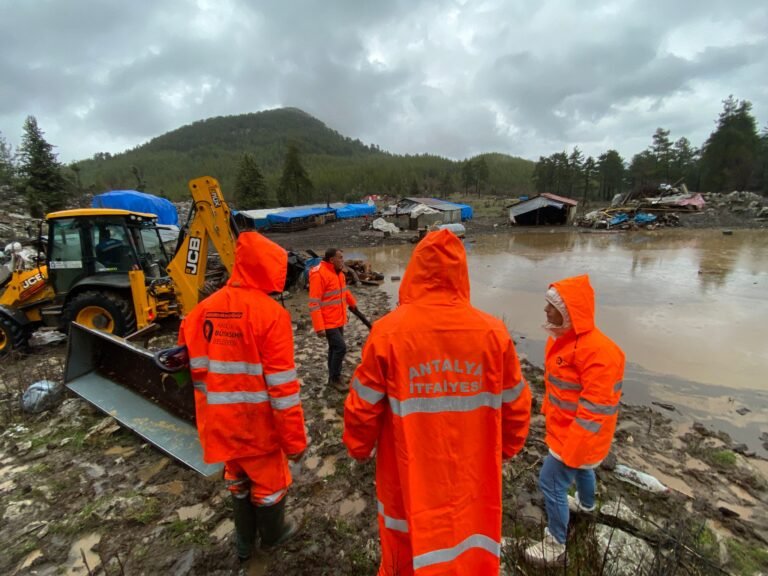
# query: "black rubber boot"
273,526
245,526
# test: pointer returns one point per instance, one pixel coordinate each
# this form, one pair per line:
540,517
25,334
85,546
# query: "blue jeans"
554,480
337,349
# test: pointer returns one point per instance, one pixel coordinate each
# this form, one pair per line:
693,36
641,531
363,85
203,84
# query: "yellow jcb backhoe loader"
108,269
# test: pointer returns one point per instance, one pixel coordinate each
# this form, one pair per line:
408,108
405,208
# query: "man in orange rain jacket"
249,414
440,394
328,301
583,378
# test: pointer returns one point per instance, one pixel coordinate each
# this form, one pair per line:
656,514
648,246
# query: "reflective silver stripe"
237,367
512,394
368,394
392,523
331,302
200,386
198,362
562,404
331,293
285,402
605,409
272,498
280,377
588,425
445,404
563,384
448,554
237,397
617,387
312,300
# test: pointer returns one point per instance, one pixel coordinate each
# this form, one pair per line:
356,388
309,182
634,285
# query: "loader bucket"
122,379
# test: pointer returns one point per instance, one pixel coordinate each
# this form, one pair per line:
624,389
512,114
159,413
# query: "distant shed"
414,213
545,209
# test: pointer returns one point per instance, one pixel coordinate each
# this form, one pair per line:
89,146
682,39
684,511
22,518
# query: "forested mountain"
338,167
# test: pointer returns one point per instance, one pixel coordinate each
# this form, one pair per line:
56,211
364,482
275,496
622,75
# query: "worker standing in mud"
329,297
248,409
440,394
583,377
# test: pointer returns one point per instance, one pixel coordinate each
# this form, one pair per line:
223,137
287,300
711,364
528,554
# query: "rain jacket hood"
259,264
437,271
579,298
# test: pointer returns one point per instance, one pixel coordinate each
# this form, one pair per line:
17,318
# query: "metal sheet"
172,435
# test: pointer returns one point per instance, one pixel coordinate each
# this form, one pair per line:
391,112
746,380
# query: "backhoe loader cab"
91,255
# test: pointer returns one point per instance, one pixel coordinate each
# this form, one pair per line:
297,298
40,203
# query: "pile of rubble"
15,220
748,204
628,218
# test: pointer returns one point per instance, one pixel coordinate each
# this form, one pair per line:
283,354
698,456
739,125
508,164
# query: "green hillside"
340,168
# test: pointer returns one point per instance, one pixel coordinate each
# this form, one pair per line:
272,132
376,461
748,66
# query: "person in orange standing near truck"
329,297
249,414
583,371
440,394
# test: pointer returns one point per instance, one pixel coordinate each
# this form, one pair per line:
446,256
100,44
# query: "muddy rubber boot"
275,530
245,526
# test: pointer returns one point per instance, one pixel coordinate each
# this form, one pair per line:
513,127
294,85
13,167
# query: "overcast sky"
447,77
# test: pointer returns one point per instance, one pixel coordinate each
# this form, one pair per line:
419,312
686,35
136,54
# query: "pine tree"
295,186
7,167
730,153
41,179
467,175
611,171
662,152
482,173
250,189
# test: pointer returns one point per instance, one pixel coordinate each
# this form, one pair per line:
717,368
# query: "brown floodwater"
688,307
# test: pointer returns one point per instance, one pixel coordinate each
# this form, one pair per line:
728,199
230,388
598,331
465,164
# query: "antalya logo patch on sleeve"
208,330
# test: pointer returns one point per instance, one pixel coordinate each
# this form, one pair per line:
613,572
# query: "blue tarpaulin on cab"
355,211
289,215
466,210
138,202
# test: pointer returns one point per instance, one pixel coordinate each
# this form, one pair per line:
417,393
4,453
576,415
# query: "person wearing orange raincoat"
440,394
248,409
583,380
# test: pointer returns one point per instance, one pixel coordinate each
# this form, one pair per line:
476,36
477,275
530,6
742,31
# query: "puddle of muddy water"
352,506
328,467
84,546
686,306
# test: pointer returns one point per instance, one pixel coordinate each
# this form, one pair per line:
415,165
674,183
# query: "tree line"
734,157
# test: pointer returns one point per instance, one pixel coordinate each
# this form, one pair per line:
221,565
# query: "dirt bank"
72,482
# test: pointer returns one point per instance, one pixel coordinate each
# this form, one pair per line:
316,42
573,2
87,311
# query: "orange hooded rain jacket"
329,297
240,344
583,377
440,394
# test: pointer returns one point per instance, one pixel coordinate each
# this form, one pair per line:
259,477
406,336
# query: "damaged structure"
544,209
415,213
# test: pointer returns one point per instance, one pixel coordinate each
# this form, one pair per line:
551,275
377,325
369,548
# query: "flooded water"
688,307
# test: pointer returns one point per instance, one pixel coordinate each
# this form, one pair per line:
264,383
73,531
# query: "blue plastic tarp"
289,215
138,202
466,210
355,211
644,218
620,218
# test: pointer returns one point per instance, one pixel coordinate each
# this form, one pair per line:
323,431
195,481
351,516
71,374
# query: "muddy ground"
78,493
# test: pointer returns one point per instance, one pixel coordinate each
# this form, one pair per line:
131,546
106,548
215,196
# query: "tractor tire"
12,336
106,311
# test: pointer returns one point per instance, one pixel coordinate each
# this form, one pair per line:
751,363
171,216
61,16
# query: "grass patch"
147,512
745,558
187,532
723,458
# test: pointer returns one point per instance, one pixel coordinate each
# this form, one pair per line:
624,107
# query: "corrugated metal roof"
435,203
563,199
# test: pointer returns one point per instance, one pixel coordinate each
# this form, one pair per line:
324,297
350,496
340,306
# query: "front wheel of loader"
12,336
105,311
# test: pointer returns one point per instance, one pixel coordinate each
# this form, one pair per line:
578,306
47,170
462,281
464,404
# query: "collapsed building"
415,213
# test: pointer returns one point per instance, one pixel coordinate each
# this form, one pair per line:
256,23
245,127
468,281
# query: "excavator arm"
210,222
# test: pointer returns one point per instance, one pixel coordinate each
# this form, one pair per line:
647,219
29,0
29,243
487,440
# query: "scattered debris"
639,479
41,396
